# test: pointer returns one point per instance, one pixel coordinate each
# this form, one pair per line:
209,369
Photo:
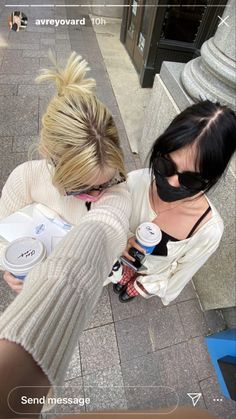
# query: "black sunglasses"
98,188
116,180
165,167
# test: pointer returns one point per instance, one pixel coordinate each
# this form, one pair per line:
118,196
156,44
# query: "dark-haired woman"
185,162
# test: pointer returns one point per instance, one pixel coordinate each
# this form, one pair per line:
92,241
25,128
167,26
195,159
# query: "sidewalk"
125,346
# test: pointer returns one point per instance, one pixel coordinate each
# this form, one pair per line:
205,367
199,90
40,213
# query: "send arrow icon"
194,397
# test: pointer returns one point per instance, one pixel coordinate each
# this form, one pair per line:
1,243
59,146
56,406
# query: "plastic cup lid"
22,254
149,233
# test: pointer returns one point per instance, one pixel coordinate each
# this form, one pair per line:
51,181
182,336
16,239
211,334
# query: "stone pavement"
127,350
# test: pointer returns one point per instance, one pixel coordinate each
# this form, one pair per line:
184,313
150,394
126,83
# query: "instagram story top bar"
114,5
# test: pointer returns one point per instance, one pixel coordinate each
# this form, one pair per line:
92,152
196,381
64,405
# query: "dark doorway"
154,32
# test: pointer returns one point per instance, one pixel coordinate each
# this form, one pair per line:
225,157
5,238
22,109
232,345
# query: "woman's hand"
132,243
15,284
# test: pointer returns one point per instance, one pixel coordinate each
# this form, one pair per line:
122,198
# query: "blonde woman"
80,179
81,150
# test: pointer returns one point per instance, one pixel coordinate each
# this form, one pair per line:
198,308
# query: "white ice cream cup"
148,235
21,255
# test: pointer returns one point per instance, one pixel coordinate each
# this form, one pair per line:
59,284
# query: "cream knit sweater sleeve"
59,295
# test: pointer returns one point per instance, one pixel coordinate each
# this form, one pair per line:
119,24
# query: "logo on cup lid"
22,254
149,233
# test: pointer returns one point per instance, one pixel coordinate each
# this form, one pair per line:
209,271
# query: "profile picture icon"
17,21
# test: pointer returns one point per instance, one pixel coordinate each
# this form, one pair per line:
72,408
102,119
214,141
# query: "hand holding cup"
132,243
15,284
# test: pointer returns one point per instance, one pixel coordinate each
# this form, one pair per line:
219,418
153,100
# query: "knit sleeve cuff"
58,296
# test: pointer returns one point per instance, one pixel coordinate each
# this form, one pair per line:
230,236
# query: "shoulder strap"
199,221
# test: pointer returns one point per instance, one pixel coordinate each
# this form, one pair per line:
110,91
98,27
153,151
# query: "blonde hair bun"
70,80
79,137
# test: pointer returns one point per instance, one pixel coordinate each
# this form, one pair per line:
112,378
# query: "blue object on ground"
219,345
227,366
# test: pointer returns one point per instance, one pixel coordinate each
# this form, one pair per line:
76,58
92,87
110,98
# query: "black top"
88,205
161,248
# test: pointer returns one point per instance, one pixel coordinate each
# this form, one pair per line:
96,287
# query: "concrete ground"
139,355
124,80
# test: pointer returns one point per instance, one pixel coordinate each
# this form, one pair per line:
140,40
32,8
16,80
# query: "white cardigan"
31,182
60,294
167,275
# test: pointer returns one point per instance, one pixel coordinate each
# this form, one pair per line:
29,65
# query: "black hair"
14,27
212,127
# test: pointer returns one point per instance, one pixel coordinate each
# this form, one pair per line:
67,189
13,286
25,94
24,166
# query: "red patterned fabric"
129,277
131,291
128,274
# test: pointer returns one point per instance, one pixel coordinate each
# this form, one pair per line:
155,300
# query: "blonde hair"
79,134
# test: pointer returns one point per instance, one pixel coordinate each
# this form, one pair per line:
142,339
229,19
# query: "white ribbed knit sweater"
59,295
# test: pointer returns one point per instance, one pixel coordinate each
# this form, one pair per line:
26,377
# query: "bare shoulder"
212,214
201,208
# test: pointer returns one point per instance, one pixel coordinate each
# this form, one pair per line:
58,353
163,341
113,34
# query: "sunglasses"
98,188
189,180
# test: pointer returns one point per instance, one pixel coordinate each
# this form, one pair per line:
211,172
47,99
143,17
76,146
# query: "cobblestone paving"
135,355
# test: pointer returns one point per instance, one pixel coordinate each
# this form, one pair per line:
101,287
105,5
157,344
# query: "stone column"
213,74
